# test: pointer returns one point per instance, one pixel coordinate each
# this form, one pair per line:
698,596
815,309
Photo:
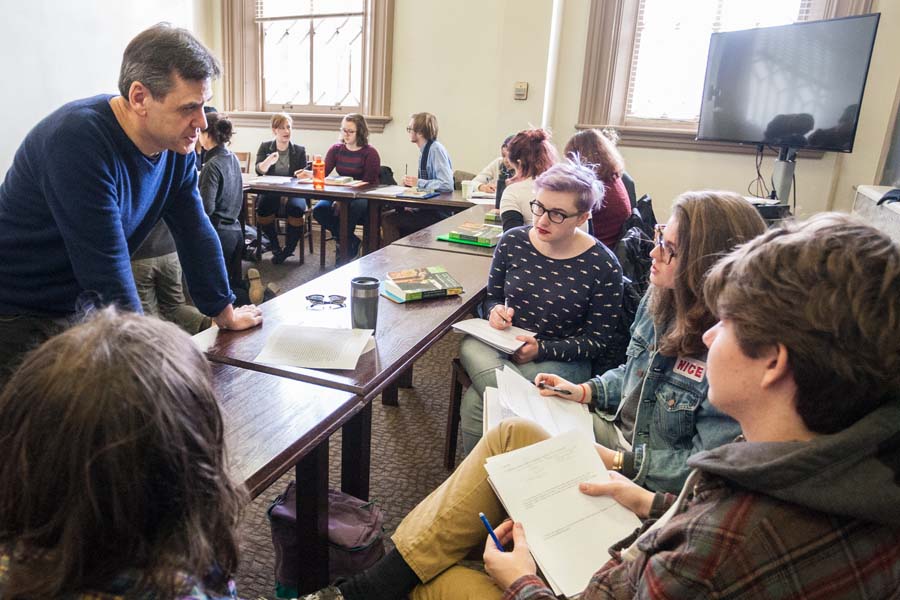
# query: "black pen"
558,390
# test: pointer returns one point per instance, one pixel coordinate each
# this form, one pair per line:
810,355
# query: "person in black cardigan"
285,158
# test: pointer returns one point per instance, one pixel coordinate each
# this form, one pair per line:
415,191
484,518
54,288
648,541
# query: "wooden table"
273,424
305,189
427,237
404,333
377,200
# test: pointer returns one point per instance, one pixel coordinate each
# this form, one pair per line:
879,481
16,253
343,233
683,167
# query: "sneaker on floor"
329,593
257,292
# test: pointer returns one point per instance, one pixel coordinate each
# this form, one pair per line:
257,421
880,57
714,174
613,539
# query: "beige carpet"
407,443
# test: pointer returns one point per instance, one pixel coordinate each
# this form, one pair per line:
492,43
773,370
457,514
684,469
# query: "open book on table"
568,532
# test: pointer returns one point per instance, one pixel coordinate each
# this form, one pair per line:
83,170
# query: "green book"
420,283
479,233
493,216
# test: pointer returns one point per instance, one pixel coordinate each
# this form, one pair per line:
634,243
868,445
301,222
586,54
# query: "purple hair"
573,177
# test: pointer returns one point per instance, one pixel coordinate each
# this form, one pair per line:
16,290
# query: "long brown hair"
362,128
113,461
710,224
596,149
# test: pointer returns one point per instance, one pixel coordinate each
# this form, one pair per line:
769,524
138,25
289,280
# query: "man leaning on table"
91,180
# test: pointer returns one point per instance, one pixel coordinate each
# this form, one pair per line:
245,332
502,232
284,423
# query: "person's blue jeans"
480,362
324,213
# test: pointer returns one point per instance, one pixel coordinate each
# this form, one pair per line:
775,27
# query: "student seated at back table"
435,174
118,486
530,154
351,157
552,279
497,169
281,157
806,357
594,147
652,413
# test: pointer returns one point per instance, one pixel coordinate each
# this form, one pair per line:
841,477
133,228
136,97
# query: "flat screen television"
797,86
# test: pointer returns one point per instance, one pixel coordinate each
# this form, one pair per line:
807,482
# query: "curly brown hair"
531,153
828,289
710,224
114,460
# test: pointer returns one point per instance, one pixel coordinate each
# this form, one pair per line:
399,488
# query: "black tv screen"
797,85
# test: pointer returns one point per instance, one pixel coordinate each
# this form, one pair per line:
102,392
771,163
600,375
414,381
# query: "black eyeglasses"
665,248
320,301
409,130
555,216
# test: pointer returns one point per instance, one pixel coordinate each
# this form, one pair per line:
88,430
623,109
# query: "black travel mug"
364,302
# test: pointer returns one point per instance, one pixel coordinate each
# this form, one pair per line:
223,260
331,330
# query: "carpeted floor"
407,442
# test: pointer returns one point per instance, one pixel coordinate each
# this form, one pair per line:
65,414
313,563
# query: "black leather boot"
293,236
271,231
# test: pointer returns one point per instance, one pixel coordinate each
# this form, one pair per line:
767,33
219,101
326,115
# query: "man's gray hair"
161,51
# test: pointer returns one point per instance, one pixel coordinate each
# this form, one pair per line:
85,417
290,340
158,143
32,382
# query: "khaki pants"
158,283
444,528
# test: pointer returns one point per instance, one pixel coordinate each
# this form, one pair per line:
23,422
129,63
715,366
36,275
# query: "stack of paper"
568,532
314,347
503,340
271,179
516,396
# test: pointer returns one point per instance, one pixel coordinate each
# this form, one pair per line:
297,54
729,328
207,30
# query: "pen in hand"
558,390
490,530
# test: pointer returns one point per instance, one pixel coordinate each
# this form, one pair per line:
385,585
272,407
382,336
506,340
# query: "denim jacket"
674,418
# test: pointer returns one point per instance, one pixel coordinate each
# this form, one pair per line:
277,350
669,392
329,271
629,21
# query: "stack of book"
493,216
419,283
477,234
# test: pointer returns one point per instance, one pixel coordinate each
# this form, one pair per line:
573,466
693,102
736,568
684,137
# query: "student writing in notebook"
805,355
494,171
553,279
652,413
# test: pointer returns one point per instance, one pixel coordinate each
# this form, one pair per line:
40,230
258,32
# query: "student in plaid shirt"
806,357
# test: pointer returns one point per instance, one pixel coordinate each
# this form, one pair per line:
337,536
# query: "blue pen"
490,530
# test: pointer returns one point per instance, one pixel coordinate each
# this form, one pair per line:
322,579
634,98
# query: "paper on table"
390,190
568,532
206,338
329,319
314,347
494,410
271,179
484,201
503,340
480,195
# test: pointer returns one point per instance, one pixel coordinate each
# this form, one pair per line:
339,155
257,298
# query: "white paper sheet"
314,347
568,532
390,190
503,340
494,410
271,179
206,338
554,414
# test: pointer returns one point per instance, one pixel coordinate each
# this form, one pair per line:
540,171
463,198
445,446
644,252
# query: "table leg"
312,519
389,395
344,229
374,225
406,378
356,445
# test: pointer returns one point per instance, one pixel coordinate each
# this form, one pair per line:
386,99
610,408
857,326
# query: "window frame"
607,70
242,80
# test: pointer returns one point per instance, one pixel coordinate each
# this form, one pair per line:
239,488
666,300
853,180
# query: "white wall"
53,51
456,59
